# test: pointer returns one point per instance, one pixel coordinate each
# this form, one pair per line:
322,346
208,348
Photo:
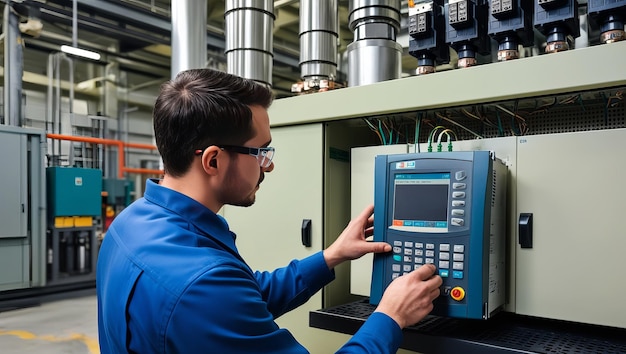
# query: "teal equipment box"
74,191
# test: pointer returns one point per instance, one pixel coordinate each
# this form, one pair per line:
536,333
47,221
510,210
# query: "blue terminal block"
427,41
511,25
466,29
557,20
607,17
74,191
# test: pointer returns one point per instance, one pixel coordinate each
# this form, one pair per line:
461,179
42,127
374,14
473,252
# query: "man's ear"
209,159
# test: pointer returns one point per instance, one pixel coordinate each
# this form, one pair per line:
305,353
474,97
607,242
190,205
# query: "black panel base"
504,333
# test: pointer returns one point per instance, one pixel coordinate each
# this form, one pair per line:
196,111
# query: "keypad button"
444,256
408,251
457,265
395,275
460,175
459,257
444,273
419,260
419,245
458,185
445,247
444,264
457,274
417,266
407,268
397,243
459,248
408,244
407,259
397,249
430,261
430,253
395,267
397,258
430,246
419,252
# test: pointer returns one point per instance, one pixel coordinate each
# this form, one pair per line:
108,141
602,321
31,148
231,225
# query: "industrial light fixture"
80,52
73,49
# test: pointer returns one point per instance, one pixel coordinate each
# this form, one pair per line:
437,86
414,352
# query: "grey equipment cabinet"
23,210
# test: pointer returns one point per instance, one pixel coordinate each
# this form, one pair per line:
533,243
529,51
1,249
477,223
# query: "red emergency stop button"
457,293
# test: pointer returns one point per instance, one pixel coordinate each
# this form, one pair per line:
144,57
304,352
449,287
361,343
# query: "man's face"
244,175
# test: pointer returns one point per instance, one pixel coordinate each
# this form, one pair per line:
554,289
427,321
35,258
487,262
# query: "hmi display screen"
420,202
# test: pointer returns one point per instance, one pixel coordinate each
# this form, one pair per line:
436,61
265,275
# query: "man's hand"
409,298
351,244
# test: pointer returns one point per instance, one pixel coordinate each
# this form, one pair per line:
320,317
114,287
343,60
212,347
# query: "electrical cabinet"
23,211
566,252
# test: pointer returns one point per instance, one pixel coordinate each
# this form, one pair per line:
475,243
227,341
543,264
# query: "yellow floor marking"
92,344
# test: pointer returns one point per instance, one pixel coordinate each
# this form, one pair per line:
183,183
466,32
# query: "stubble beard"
232,193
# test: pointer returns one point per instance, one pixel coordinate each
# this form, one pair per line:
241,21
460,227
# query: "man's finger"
426,271
379,247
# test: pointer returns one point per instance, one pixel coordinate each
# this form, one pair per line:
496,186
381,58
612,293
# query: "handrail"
120,151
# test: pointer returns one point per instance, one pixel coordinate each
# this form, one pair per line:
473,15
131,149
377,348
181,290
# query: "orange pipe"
140,146
120,150
143,170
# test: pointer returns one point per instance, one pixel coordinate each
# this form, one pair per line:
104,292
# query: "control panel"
446,209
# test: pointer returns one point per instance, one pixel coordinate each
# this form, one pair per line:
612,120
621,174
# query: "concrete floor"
68,326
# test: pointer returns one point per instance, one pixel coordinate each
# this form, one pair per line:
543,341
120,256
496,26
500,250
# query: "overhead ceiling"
136,34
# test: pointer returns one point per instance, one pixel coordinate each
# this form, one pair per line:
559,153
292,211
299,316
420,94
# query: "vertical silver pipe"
189,46
318,39
75,24
49,126
13,68
249,27
374,55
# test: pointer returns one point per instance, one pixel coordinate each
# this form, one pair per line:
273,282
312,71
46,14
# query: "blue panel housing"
436,208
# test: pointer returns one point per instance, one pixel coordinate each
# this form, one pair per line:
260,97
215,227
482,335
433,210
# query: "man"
170,278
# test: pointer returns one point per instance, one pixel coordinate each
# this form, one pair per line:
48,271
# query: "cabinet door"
13,191
268,233
573,185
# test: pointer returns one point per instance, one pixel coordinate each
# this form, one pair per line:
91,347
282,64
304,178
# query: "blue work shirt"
170,280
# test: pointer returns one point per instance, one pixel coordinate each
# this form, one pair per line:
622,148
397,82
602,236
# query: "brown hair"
200,108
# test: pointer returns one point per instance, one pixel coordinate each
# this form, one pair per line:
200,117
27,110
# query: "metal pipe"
13,67
374,55
318,39
189,40
249,26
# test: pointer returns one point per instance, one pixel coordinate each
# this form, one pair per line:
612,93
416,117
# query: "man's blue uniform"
170,280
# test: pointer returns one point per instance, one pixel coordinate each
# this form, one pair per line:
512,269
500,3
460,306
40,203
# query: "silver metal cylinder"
189,46
374,55
318,39
13,68
373,60
374,11
249,26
